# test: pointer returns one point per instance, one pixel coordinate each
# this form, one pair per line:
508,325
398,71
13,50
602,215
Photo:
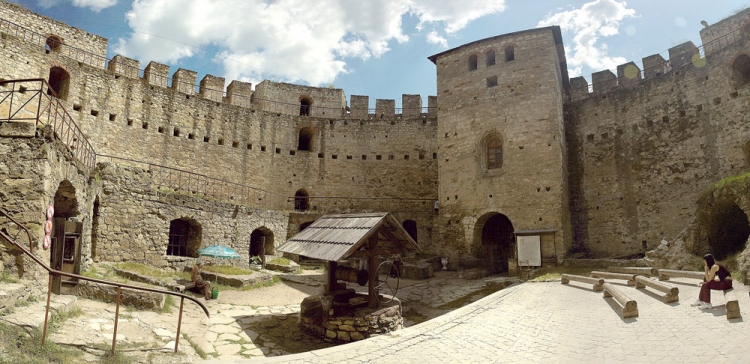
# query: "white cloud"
94,5
599,18
434,38
287,40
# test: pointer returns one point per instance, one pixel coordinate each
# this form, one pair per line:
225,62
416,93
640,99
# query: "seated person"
200,284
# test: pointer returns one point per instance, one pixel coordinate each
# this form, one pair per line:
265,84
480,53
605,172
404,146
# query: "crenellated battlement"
270,96
680,57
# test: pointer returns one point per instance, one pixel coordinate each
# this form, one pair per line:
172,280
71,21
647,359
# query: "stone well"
345,317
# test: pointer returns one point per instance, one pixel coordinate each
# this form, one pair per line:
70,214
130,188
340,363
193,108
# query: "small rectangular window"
249,146
76,107
144,125
206,139
334,156
130,122
112,117
364,157
492,81
235,144
94,113
262,148
278,150
161,129
378,157
221,141
176,132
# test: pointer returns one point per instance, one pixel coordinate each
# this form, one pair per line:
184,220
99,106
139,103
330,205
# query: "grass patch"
150,271
197,348
58,319
6,278
115,357
274,280
21,347
227,269
551,276
554,272
168,303
280,261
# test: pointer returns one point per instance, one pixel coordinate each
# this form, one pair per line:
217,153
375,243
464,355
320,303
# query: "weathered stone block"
17,130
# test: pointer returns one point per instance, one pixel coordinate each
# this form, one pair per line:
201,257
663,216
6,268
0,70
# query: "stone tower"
502,156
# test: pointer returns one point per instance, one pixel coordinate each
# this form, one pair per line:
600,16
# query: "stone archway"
261,242
727,230
494,241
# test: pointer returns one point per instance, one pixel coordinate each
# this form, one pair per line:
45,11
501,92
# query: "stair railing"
53,272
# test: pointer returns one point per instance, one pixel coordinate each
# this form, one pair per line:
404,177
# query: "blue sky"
377,48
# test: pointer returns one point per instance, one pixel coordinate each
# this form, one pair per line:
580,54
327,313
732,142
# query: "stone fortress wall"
644,146
613,167
495,97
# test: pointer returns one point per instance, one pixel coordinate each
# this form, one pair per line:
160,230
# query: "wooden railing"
12,224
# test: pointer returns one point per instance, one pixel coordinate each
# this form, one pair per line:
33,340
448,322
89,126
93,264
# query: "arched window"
490,58
184,238
59,79
301,201
472,62
304,106
741,70
53,43
509,53
305,139
494,153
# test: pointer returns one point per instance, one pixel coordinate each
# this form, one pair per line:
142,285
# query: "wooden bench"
665,274
610,275
597,282
628,307
644,271
671,293
732,305
183,285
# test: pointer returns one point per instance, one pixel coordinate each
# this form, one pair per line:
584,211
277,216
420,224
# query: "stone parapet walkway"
554,323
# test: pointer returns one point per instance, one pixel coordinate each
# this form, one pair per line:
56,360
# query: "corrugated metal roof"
335,237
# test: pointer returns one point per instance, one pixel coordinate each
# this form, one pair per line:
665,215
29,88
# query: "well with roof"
340,313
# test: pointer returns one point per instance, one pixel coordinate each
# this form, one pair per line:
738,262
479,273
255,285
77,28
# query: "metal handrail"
120,286
41,105
704,50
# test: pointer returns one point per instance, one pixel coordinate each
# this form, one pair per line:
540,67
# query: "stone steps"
32,315
10,293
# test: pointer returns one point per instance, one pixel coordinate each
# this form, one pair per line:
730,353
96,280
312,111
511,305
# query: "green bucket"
215,293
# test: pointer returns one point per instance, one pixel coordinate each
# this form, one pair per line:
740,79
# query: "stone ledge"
17,130
107,293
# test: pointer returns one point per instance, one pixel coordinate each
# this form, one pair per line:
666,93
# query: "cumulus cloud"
288,40
599,18
434,38
94,5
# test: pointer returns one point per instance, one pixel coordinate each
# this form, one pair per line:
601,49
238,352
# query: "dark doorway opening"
301,202
305,139
95,230
59,81
728,231
497,243
65,249
411,227
304,106
261,244
741,70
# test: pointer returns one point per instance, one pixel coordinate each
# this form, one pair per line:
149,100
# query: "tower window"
472,62
494,153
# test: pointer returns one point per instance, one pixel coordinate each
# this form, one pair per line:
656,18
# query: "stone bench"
597,282
670,292
630,278
665,274
628,307
732,305
644,271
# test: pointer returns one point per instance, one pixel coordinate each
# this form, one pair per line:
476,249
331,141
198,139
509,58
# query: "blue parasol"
218,251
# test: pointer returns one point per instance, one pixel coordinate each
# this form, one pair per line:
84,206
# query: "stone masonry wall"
525,112
134,219
640,156
32,167
129,118
71,36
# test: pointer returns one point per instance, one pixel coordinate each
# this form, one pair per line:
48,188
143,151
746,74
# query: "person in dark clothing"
712,270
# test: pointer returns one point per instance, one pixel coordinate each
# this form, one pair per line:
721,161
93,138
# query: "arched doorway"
495,233
65,248
184,238
727,231
741,70
261,243
53,43
59,80
301,200
411,227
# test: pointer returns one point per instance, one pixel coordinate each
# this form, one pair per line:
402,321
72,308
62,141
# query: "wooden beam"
372,270
331,265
